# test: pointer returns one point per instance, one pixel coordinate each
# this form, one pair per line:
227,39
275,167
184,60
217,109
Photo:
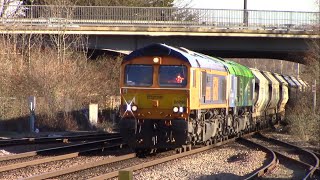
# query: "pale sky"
281,5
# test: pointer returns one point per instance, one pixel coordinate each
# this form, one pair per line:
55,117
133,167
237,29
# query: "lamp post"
245,13
31,1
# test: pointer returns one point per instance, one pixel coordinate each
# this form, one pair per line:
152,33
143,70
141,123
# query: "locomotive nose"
162,104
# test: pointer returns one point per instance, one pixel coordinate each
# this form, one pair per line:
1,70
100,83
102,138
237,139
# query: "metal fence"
155,16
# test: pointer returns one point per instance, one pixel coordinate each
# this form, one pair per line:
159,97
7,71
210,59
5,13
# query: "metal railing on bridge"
76,16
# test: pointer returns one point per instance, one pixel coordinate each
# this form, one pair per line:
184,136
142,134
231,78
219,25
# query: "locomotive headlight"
128,107
134,108
181,109
156,59
175,109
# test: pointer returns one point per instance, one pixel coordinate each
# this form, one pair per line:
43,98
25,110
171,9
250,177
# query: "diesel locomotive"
172,96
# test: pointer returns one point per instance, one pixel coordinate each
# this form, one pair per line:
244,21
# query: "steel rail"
82,167
311,170
165,159
50,150
55,158
265,168
311,167
64,139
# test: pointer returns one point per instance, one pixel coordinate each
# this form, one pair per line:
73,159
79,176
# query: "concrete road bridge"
221,32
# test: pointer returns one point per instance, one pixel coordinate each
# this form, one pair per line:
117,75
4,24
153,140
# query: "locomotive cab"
154,101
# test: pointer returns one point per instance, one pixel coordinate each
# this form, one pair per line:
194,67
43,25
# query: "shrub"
63,80
302,121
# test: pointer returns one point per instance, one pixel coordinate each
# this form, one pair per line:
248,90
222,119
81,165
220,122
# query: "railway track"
62,149
296,162
109,168
26,161
63,139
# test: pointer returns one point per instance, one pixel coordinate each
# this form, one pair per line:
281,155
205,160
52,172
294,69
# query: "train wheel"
142,153
178,150
236,126
189,147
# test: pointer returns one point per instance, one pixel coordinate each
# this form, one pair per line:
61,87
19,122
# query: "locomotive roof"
193,58
238,69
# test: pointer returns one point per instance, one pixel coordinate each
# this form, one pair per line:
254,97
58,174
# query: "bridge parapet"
92,18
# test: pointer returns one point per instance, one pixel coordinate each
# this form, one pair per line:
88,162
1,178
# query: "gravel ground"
280,172
294,140
227,162
96,171
283,150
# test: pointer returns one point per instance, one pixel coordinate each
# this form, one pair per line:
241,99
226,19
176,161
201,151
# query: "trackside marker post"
314,90
125,175
32,107
93,114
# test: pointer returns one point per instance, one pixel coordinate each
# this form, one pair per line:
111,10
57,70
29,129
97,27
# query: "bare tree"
135,3
12,8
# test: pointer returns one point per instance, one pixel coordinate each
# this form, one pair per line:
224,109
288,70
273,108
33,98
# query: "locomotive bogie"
206,125
154,134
